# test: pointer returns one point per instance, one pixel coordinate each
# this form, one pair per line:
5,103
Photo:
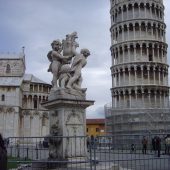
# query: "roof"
11,55
95,121
10,81
33,79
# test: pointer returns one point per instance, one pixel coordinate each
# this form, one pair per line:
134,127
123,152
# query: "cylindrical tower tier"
140,91
139,54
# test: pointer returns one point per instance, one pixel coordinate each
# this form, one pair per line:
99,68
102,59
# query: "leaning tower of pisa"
140,91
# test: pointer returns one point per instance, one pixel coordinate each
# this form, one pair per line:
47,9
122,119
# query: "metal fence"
120,152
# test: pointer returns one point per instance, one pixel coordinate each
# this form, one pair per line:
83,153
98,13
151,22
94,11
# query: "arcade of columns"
139,54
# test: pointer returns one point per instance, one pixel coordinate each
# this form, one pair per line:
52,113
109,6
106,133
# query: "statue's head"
56,45
85,52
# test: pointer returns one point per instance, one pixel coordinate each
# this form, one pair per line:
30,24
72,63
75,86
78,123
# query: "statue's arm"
49,56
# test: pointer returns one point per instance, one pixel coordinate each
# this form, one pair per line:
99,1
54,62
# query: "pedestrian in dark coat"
158,145
144,145
3,154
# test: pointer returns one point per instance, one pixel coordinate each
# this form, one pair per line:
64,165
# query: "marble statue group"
67,63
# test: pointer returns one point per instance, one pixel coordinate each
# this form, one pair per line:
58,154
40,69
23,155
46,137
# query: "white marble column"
129,53
122,14
128,32
140,31
130,99
124,99
134,32
151,12
155,99
124,81
153,53
135,70
154,75
129,70
148,70
145,9
119,77
123,49
142,74
136,98
133,10
134,52
159,76
149,95
143,101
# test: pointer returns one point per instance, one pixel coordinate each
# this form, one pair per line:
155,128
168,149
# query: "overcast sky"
36,23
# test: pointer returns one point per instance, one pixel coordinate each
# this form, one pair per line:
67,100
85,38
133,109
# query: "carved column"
145,9
151,12
119,76
159,76
134,32
123,49
130,99
143,101
134,52
142,73
129,70
149,95
154,75
160,95
124,81
135,70
129,53
133,11
128,32
148,70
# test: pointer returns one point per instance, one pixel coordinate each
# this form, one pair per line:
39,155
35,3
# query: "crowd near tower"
140,91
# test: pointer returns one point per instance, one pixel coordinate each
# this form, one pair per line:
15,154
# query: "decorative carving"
55,142
74,118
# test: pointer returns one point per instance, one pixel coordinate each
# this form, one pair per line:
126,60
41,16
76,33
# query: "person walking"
3,154
167,144
158,145
144,145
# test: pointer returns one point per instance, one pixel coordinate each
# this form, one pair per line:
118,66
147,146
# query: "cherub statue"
55,58
79,62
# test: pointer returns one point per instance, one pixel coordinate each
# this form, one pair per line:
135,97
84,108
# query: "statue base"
68,116
63,93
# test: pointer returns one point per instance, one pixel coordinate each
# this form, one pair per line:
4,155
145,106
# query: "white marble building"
21,94
140,90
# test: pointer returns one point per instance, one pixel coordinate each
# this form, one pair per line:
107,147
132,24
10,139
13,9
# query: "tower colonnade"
137,51
139,67
139,54
143,29
122,10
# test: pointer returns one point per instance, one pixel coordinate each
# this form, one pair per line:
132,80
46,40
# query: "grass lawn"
14,162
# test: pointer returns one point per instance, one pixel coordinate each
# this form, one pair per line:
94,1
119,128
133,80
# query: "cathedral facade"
21,94
140,91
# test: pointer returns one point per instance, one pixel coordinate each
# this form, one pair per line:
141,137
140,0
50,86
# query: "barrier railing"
130,152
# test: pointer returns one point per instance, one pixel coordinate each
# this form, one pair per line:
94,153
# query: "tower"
140,91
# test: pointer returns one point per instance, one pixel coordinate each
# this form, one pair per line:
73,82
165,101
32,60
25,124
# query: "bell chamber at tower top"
114,2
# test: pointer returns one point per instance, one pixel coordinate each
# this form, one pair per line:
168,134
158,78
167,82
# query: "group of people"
156,145
3,154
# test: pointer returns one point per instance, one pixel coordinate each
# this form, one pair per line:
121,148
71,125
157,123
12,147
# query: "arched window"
3,97
8,68
35,100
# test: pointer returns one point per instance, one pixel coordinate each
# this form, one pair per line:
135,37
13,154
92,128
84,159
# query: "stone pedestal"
67,126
